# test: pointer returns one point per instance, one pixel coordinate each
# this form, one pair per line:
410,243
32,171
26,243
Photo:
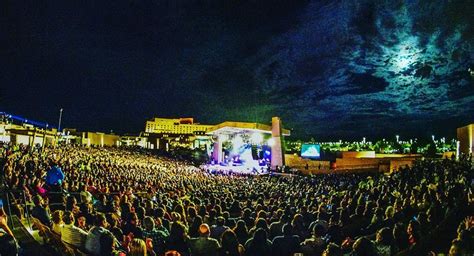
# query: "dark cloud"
329,68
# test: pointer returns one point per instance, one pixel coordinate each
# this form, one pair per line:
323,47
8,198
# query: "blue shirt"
55,176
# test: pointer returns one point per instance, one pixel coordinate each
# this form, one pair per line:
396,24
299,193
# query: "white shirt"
73,235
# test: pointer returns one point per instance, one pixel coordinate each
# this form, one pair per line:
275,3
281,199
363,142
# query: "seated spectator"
165,223
231,245
204,244
82,222
8,244
258,244
383,242
413,231
92,244
132,227
241,232
400,238
157,236
458,248
178,239
287,244
71,234
364,247
194,228
114,228
161,227
40,212
299,227
58,223
259,223
219,228
277,227
332,250
316,244
137,247
107,246
71,205
334,232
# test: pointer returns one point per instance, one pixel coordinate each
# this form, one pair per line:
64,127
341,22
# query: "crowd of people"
113,201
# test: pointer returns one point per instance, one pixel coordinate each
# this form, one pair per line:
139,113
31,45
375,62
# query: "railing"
16,197
8,200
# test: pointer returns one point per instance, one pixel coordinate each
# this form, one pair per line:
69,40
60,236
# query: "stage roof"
229,127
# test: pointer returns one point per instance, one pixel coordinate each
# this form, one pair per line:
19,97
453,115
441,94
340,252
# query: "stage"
239,170
246,148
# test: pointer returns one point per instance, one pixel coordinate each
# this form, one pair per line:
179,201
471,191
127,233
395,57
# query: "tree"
414,148
432,150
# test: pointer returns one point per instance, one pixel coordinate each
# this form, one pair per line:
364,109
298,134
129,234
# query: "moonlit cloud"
330,69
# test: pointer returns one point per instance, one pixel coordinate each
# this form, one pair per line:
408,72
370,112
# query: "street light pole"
60,116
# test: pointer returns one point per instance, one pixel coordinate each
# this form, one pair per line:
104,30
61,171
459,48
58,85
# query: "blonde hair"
137,247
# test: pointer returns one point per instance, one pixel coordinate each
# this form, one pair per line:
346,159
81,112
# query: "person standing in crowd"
54,180
55,175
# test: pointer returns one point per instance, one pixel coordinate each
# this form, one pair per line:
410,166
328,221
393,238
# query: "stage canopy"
229,127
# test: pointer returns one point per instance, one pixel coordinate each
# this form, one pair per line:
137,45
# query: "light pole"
398,138
60,116
44,136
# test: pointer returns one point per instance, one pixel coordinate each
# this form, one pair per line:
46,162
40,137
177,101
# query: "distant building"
466,139
100,139
175,126
162,133
26,134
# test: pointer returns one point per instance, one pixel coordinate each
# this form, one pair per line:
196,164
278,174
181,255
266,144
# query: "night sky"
331,69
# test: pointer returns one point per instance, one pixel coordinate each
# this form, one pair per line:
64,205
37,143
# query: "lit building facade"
163,133
175,126
466,139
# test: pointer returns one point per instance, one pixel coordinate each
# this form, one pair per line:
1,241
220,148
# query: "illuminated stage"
241,169
247,148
